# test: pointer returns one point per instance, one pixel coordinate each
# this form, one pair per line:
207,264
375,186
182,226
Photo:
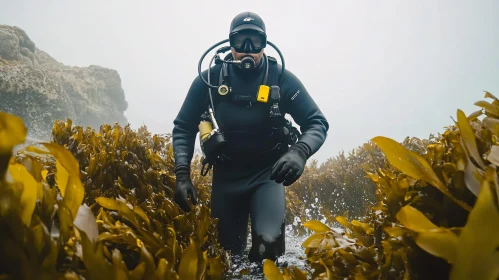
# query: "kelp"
436,216
336,186
98,205
340,184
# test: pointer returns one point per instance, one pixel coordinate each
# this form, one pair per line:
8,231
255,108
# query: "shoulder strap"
223,75
276,118
273,78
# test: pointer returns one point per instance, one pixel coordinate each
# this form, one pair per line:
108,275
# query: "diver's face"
256,56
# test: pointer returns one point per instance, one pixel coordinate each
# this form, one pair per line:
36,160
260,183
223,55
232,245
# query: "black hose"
282,60
201,62
224,49
209,89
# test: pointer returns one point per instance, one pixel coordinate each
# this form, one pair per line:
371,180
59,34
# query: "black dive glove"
291,165
184,188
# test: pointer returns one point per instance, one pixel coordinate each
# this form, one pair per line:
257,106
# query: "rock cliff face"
41,90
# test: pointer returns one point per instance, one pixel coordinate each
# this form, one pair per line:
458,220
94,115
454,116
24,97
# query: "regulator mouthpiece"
247,63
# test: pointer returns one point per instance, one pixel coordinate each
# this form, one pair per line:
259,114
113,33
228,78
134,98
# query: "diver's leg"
230,205
267,210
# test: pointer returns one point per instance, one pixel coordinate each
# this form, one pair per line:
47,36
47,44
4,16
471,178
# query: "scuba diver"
238,106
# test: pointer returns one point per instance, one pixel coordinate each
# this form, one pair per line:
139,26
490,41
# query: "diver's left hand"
290,166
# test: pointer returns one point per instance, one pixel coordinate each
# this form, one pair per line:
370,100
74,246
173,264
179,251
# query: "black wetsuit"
241,186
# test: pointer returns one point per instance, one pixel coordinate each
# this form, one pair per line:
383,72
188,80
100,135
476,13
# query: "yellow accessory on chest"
263,94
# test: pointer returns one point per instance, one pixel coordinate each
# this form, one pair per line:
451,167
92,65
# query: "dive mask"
248,42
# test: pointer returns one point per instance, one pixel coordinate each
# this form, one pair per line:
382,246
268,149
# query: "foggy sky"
391,68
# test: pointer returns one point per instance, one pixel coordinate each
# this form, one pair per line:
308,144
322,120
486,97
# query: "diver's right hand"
184,189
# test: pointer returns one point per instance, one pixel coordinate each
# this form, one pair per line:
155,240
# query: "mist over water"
393,68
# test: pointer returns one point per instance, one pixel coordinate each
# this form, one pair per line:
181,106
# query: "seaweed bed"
99,205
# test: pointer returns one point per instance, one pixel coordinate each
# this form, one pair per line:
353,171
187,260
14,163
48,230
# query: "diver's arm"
186,123
298,103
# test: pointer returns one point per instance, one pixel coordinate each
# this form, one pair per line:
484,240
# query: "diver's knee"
269,238
267,246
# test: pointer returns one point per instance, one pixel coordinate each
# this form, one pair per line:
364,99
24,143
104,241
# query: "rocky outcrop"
38,88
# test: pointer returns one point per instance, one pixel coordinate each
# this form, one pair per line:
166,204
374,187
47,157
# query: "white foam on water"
242,268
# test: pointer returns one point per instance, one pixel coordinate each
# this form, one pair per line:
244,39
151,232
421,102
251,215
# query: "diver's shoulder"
272,59
288,74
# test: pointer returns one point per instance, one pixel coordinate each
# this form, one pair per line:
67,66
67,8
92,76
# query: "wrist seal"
302,149
182,172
